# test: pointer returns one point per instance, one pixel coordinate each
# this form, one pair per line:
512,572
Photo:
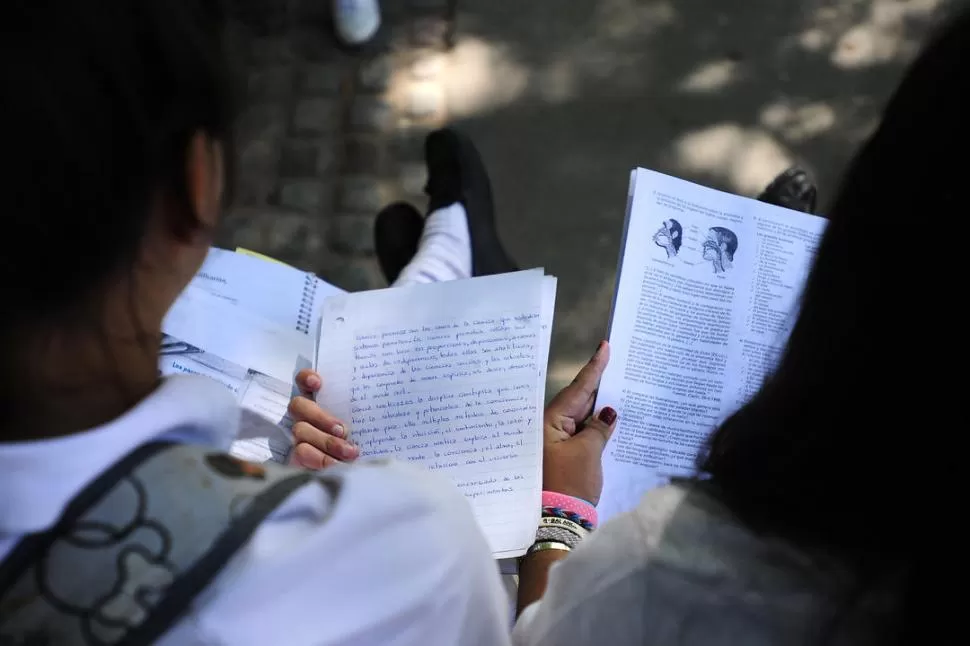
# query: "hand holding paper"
320,439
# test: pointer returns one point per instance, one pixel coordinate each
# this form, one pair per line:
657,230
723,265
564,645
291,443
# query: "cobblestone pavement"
327,136
563,97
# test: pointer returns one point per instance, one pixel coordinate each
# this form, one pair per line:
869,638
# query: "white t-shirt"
399,561
681,569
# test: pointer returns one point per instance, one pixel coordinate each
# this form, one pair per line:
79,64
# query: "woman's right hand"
320,439
574,439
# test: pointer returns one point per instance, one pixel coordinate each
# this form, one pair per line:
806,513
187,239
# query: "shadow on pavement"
565,97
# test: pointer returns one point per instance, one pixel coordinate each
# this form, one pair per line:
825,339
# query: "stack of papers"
251,324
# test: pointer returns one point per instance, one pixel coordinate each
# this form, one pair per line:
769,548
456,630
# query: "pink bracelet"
571,505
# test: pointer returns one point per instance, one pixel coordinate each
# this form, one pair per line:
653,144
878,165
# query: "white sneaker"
356,21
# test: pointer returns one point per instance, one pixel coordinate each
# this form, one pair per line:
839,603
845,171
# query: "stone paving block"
363,155
327,158
322,78
362,194
413,176
375,75
309,157
355,274
274,82
299,158
241,227
316,116
429,5
262,122
430,32
352,233
427,66
408,143
306,195
426,100
310,42
297,240
270,49
254,187
371,114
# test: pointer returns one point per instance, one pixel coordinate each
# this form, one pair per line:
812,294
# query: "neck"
79,377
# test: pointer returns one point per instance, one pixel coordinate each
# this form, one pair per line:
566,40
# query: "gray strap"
135,547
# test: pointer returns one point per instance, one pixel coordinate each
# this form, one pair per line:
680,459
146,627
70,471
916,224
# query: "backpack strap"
135,547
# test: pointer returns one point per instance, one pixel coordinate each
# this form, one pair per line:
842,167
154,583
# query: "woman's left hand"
320,439
574,438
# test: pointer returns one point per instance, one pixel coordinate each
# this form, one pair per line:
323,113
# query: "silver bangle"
542,546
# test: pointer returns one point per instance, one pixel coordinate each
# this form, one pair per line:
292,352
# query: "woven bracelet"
558,512
565,523
559,535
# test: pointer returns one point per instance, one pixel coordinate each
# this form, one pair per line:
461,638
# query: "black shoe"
456,173
397,234
793,189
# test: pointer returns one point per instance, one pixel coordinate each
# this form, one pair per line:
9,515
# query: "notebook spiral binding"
306,305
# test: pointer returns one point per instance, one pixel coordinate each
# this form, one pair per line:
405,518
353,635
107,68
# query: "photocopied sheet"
706,296
450,376
238,335
260,394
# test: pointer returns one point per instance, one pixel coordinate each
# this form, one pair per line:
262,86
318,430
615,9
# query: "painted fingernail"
607,416
338,430
313,381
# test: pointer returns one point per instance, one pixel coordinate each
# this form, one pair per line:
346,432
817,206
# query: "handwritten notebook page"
449,376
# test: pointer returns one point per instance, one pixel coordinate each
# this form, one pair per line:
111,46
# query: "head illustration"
669,236
719,247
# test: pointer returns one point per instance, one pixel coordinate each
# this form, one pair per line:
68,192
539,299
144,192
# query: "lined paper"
449,376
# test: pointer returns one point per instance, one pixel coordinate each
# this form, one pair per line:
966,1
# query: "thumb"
308,382
597,431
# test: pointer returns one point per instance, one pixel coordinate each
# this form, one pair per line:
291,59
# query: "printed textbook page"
706,295
449,376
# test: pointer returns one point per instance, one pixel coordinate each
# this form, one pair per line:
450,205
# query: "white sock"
356,20
445,250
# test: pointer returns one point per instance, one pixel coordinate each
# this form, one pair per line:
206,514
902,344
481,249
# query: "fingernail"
607,416
352,452
338,430
313,381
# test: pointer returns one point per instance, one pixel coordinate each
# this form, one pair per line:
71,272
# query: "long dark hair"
850,446
98,102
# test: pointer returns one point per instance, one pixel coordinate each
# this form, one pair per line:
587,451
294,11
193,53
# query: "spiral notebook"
252,312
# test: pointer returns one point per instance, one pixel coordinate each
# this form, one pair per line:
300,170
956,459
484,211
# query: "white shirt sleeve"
590,597
399,561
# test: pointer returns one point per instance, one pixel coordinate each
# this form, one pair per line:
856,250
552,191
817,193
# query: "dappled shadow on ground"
564,97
